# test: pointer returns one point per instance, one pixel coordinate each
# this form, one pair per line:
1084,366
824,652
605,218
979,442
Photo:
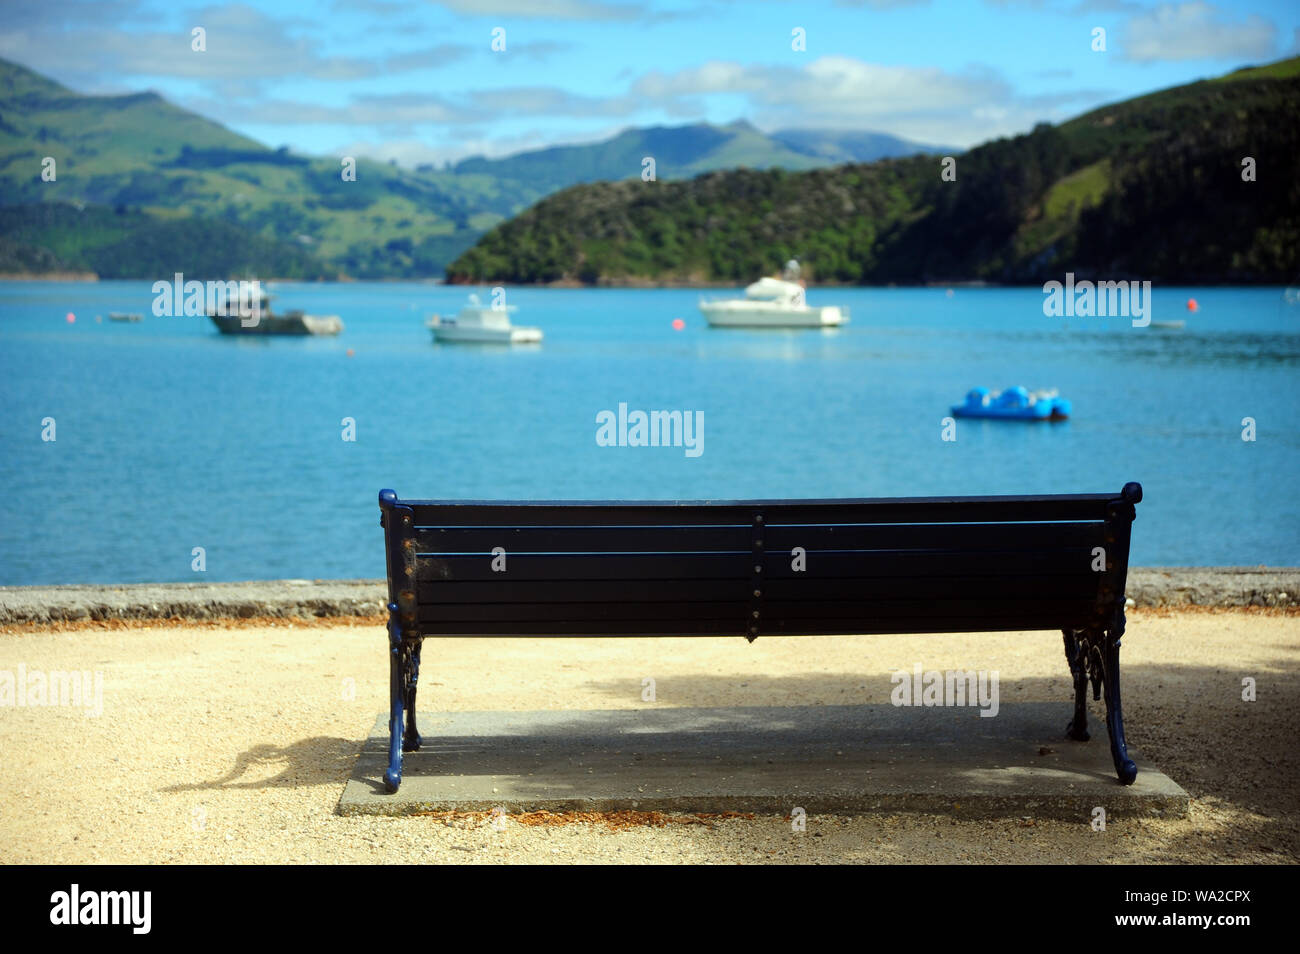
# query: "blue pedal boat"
1014,404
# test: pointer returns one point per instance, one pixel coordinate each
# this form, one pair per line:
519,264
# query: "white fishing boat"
773,303
482,324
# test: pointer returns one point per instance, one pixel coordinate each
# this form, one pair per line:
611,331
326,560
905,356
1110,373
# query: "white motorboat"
483,324
773,303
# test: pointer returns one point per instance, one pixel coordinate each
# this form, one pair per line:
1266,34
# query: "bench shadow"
315,761
1236,759
685,753
1188,720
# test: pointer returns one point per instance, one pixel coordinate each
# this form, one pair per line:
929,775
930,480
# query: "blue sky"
418,80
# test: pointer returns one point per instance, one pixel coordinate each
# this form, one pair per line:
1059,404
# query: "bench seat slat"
735,611
438,514
1075,586
846,611
904,626
663,539
584,627
593,566
968,536
578,591
693,539
931,564
971,607
772,627
504,618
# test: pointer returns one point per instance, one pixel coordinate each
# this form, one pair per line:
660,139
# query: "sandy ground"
230,742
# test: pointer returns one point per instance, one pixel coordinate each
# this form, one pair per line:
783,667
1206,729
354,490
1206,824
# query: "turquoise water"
170,436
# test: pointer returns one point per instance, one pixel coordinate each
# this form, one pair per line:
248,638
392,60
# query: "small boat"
482,324
123,316
1169,324
230,321
1017,404
773,303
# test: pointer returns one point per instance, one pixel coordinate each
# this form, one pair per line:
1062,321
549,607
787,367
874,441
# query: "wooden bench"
762,568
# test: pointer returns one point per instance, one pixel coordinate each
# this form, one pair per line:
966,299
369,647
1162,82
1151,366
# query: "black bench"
897,565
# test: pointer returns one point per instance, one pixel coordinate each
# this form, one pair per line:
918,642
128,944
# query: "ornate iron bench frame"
660,568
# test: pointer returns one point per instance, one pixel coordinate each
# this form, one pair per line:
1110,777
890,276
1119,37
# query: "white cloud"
1195,31
413,152
396,112
245,48
927,104
833,85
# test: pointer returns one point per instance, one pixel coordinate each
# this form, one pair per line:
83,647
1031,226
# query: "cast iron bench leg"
396,701
411,741
1075,655
1095,653
404,673
396,692
1124,766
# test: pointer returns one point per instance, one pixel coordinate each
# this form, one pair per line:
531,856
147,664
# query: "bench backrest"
902,565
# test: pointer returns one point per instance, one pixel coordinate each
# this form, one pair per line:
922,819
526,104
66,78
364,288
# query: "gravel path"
230,742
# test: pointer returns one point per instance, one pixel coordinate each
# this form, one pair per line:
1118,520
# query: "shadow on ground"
316,761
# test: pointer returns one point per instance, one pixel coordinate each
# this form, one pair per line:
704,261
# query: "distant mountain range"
142,187
682,152
1197,183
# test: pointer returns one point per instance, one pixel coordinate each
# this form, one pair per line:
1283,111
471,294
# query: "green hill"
124,243
1147,188
136,165
142,154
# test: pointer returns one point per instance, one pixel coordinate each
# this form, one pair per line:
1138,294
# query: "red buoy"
678,324
71,317
1191,304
